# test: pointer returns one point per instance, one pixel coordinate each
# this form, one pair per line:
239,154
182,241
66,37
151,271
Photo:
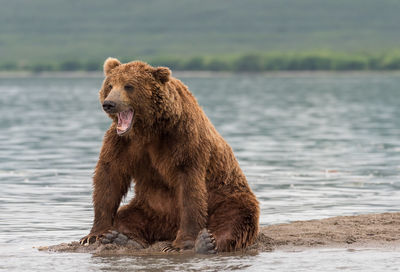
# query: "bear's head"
134,93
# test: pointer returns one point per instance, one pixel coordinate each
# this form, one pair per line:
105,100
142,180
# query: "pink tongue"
124,120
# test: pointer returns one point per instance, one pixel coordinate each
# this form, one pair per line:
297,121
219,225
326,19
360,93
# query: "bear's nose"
109,106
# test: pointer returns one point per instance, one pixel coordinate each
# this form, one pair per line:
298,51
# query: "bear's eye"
128,88
109,86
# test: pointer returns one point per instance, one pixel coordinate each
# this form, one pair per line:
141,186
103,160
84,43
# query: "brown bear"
188,186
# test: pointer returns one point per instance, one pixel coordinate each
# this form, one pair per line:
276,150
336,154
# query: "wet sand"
361,231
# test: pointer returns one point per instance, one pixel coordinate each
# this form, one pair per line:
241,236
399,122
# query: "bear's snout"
109,106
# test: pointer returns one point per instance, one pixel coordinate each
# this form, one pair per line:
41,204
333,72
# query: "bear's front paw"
92,237
89,239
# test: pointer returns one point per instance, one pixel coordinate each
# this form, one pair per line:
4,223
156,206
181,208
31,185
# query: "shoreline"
381,231
350,232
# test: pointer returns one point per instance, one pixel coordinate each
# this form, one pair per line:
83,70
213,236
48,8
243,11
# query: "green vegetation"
245,63
225,35
329,61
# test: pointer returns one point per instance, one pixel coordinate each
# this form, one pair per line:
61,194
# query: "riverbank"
351,232
360,231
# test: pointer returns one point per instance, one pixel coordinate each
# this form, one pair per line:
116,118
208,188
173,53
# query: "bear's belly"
163,202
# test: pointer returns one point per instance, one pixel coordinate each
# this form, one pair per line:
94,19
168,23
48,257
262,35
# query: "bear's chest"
147,162
162,159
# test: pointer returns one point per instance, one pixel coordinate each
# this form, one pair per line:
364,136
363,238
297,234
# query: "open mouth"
125,121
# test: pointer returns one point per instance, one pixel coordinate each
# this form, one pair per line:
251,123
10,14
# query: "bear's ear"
162,74
110,64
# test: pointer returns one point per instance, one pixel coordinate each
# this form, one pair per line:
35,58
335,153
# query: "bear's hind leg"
129,223
234,223
205,243
117,238
145,228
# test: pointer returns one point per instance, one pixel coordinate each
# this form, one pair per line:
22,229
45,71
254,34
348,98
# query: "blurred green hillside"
242,35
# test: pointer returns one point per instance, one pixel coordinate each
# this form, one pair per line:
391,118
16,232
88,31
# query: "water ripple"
311,147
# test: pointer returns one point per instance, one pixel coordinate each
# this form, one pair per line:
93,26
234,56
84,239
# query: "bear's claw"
205,243
169,248
87,240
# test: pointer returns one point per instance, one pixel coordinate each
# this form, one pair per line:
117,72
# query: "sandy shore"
361,231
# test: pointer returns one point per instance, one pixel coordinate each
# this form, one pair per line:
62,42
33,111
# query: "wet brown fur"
185,175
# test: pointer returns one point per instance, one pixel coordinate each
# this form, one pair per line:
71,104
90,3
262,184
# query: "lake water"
312,146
